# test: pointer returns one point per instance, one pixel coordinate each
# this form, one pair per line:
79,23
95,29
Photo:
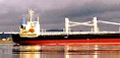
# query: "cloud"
52,12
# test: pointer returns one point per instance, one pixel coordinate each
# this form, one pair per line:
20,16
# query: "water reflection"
81,51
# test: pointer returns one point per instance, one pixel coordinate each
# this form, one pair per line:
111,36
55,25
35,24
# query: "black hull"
21,40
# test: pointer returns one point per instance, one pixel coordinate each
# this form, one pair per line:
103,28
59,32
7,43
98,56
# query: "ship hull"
68,39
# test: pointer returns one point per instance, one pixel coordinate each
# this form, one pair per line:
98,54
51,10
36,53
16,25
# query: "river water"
81,51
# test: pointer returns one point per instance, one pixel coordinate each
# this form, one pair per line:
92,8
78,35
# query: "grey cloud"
52,12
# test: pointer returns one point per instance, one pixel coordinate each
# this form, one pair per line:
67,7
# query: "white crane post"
95,25
38,25
66,25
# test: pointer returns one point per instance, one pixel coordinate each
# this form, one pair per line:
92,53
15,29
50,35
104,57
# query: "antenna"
31,13
38,19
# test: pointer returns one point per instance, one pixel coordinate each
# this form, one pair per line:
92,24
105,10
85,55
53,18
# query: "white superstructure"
31,28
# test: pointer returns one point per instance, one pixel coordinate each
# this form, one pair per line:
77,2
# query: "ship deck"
69,33
78,33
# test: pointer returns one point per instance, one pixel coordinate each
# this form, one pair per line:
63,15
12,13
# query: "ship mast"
31,13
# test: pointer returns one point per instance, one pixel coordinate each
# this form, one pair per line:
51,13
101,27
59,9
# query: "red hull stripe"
75,42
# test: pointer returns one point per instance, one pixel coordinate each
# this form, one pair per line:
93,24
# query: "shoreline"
6,41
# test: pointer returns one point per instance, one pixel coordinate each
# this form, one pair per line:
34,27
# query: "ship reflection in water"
81,51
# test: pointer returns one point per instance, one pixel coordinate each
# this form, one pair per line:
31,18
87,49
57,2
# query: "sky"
53,12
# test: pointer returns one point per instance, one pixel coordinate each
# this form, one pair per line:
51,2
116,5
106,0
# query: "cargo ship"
31,33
